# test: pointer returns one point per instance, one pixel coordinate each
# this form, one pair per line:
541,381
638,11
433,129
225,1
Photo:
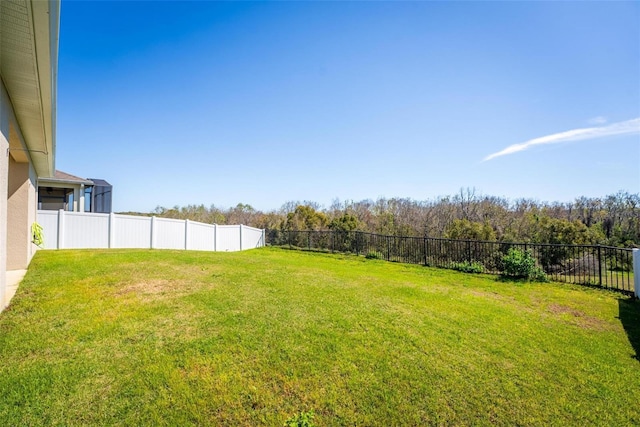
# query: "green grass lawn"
132,337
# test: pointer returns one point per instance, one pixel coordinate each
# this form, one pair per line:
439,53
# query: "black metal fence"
593,265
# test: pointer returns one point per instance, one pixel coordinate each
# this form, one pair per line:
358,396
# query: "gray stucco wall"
5,108
21,213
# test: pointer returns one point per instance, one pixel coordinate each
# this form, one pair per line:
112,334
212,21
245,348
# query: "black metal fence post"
425,252
599,265
388,249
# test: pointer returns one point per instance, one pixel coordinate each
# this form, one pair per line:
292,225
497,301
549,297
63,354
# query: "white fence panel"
228,238
85,230
49,222
131,231
169,233
70,230
201,236
251,238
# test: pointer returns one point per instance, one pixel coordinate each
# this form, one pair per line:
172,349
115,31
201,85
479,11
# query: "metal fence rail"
594,265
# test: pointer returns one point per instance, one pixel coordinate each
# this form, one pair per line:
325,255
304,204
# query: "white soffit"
28,66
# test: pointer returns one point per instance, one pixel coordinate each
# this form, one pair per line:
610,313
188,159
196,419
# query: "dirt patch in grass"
563,313
148,287
562,309
577,317
152,289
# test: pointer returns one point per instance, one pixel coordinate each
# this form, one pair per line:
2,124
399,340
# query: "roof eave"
46,24
42,182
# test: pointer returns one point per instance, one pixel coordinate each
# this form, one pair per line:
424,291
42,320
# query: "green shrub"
520,264
373,255
37,235
469,267
538,275
303,419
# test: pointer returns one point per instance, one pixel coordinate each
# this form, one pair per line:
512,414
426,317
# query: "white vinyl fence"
76,230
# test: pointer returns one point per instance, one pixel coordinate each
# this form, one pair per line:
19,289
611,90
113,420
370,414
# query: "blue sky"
179,103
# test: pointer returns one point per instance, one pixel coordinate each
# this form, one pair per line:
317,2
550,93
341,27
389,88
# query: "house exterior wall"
28,86
5,107
21,213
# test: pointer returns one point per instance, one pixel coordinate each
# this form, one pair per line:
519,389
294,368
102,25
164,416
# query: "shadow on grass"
629,315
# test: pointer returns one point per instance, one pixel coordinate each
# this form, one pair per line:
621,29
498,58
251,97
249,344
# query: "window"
53,199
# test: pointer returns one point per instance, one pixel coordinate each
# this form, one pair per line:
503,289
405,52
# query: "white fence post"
186,234
264,242
240,236
215,237
60,240
152,243
636,272
112,231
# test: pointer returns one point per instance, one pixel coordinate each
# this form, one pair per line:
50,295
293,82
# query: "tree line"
612,220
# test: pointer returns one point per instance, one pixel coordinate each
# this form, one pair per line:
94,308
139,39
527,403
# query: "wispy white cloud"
600,120
621,128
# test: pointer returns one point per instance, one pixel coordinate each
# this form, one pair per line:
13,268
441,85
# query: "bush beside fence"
594,265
